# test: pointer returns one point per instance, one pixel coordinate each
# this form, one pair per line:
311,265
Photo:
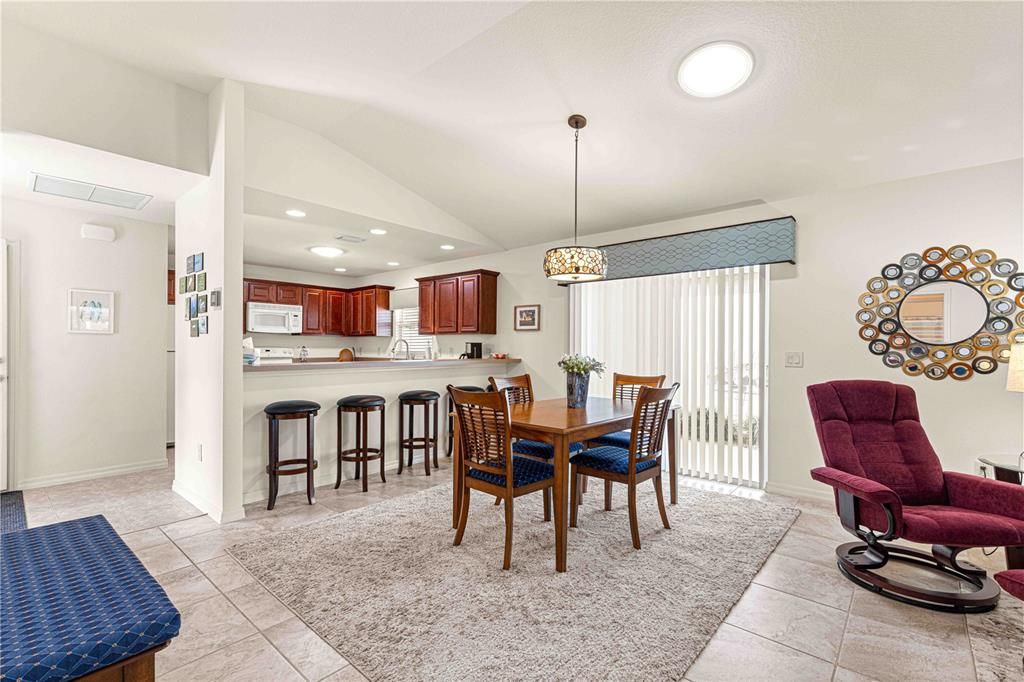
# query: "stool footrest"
301,467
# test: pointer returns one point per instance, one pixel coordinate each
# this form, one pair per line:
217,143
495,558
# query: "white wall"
57,89
208,369
85,405
843,239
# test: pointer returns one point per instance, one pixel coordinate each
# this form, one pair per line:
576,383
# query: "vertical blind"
706,330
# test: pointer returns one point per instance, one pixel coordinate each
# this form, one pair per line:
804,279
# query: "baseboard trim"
806,492
90,474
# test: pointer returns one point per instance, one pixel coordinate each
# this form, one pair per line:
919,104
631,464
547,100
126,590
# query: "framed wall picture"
190,265
193,328
202,304
193,307
190,283
527,318
215,299
204,324
200,281
182,284
90,311
197,262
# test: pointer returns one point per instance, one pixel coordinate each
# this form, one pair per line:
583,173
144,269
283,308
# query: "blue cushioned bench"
76,602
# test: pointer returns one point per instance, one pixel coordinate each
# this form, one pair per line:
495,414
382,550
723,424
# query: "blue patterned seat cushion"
619,439
73,599
524,472
536,448
609,458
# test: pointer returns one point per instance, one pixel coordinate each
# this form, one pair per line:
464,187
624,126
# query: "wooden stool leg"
272,469
383,480
433,440
401,435
426,438
364,447
341,440
359,439
412,431
310,462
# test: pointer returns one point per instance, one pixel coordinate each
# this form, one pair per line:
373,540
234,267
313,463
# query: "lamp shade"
1015,375
575,264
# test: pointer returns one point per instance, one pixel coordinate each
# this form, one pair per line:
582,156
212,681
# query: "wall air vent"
351,239
85,191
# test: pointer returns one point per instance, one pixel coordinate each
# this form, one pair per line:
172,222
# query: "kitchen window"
405,326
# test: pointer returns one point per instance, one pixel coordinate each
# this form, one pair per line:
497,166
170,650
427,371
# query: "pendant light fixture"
575,263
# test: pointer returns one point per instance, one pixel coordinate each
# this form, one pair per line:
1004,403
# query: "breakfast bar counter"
324,381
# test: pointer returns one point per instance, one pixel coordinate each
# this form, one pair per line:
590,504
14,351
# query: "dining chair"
624,387
633,465
489,465
519,390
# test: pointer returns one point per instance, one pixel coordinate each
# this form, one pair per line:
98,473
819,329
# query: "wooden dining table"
554,422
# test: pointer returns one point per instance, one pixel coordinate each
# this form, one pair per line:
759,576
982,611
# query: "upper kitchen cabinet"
339,312
371,311
313,311
459,303
288,294
337,317
260,292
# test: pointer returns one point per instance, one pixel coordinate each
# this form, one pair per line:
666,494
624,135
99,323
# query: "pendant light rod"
576,122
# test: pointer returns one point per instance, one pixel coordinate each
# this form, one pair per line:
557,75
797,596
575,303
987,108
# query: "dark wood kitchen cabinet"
312,311
460,303
288,294
260,292
335,312
371,312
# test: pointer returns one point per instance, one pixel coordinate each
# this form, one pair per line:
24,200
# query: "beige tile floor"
799,619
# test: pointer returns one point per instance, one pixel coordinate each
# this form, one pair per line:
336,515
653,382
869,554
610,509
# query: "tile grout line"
842,641
769,639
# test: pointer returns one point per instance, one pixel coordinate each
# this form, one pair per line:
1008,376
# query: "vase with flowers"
577,370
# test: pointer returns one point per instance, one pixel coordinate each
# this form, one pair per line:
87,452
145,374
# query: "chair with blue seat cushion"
633,465
75,601
488,463
539,450
624,387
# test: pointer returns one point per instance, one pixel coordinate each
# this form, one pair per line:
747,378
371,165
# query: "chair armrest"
863,488
984,495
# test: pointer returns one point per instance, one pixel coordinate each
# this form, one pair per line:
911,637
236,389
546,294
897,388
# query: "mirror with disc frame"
944,312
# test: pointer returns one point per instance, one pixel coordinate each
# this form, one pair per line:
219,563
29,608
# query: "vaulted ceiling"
465,103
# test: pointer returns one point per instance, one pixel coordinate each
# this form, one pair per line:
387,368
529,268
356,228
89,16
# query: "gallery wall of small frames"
196,298
944,313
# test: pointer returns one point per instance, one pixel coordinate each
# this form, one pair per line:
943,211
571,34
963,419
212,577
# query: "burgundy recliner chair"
889,484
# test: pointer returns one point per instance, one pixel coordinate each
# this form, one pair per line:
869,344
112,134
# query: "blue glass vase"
576,387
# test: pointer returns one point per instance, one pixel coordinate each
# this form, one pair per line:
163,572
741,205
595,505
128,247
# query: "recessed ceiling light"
715,69
447,247
326,251
393,263
341,269
377,230
295,213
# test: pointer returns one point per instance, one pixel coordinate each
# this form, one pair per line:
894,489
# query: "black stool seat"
292,407
419,395
361,401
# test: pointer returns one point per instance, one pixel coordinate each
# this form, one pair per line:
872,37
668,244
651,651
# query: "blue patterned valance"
766,241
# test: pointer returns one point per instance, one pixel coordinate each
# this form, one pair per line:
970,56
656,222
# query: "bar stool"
290,409
362,453
451,412
411,441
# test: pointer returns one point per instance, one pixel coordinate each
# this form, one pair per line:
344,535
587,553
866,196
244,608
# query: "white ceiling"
465,103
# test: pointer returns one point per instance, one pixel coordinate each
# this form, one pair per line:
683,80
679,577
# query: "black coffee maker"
474,350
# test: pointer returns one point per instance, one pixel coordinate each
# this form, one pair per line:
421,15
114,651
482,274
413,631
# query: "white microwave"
271,318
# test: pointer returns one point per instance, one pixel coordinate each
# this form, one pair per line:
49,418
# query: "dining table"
554,422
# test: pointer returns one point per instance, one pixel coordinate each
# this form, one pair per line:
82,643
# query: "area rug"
384,585
12,512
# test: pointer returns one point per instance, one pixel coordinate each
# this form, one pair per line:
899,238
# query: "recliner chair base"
857,561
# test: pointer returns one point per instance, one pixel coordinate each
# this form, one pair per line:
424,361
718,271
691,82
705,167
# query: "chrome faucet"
394,351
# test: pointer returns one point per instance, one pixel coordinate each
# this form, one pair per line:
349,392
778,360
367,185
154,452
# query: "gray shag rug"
385,587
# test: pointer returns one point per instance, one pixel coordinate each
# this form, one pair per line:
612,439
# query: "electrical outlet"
199,453
794,359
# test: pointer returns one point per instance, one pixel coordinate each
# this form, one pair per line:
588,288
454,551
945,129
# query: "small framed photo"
202,304
197,262
90,311
527,318
203,324
190,283
193,307
215,299
201,281
193,328
190,265
182,283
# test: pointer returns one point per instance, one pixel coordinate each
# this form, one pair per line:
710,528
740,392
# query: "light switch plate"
794,359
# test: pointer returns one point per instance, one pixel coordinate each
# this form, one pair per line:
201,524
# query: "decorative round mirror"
944,312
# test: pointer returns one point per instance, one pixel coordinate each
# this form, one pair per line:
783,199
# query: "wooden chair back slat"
627,386
518,388
484,431
649,418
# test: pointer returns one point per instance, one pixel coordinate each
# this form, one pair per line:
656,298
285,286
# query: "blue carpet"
12,512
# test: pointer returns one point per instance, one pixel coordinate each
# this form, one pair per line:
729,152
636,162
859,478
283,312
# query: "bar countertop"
361,364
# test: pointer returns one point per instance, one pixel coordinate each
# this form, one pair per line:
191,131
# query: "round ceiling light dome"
326,251
716,69
295,213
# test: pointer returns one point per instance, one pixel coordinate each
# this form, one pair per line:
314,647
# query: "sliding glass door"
708,331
